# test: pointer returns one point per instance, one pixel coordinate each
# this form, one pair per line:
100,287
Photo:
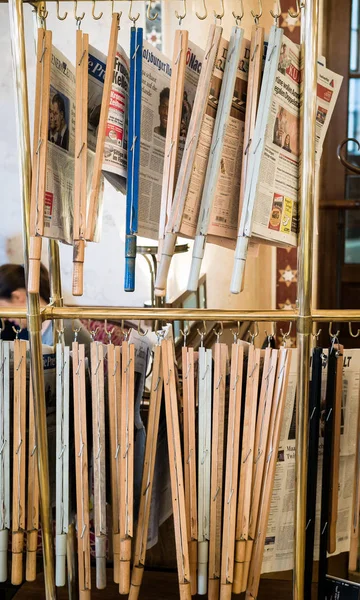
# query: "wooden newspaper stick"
148,475
81,108
173,129
114,393
81,470
33,496
276,418
217,469
19,461
176,471
188,363
186,167
232,471
100,142
99,442
246,466
214,163
354,539
126,464
40,140
261,436
335,454
4,456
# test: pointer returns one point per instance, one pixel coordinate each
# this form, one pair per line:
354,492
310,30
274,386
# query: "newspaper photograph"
115,150
225,211
275,209
193,199
278,554
58,214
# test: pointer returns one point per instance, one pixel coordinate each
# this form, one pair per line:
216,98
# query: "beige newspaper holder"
114,393
40,140
81,105
232,470
148,475
100,143
19,461
33,496
81,470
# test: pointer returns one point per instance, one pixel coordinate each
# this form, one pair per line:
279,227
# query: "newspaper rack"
304,316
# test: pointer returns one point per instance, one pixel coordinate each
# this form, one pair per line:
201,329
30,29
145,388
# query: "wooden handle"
353,554
198,255
185,592
78,268
31,548
116,551
214,589
226,591
237,278
17,558
249,548
238,577
164,265
100,551
193,566
124,567
85,595
136,580
34,265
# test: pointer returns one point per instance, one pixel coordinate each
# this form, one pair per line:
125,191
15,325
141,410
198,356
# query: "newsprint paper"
278,555
154,114
61,136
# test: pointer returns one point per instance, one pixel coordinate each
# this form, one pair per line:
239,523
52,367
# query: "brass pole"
33,305
309,44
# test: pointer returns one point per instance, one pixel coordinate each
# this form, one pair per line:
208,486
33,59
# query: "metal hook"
108,332
202,17
235,333
58,12
219,332
354,335
238,18
181,17
43,14
16,330
258,15
299,6
93,12
316,336
342,158
220,15
331,334
271,336
148,12
184,333
276,16
255,334
78,19
76,331
286,335
93,333
60,333
133,19
202,333
140,332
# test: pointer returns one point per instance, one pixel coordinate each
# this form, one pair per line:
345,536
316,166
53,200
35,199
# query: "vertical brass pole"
309,44
34,319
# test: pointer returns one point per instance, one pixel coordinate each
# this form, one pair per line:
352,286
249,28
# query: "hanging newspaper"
154,115
61,135
278,555
225,211
272,188
115,150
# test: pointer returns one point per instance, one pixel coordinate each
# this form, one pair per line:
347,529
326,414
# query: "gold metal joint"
304,324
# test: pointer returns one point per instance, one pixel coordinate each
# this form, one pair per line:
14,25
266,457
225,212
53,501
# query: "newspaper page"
225,211
328,88
58,215
193,199
115,150
156,73
278,555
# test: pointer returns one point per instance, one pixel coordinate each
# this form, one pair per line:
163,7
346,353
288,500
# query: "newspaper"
193,198
273,185
115,149
58,216
278,554
225,212
154,113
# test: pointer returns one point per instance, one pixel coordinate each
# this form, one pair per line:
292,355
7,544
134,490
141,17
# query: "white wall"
104,262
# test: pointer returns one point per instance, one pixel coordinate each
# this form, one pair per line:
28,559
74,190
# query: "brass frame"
304,317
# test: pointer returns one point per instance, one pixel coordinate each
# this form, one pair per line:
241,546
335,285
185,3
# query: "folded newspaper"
61,136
